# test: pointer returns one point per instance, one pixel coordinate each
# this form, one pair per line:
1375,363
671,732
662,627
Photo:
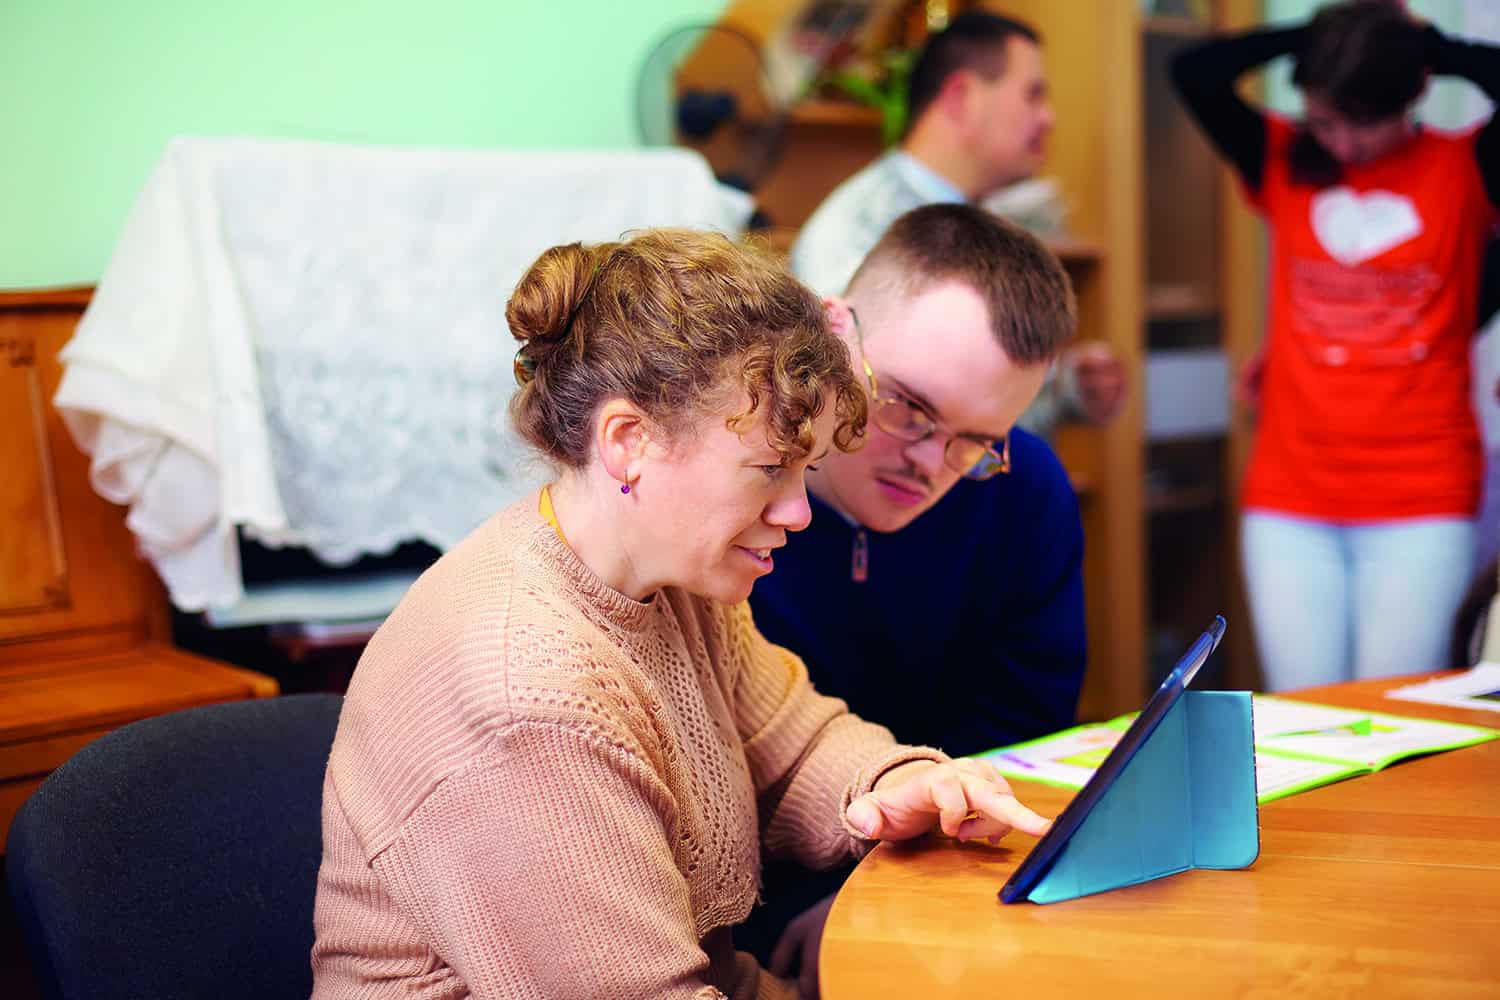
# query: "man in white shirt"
978,122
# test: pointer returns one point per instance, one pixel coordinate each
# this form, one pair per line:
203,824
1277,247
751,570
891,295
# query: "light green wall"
90,91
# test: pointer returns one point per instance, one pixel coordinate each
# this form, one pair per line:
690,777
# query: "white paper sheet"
1275,773
1477,688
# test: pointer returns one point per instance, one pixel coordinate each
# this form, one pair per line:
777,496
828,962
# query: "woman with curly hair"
561,757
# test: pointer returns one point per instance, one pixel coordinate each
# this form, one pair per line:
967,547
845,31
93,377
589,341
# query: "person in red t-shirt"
1360,498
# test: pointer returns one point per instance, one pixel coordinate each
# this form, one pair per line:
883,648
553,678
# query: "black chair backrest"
178,856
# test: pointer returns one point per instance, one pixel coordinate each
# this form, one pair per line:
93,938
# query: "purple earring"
624,487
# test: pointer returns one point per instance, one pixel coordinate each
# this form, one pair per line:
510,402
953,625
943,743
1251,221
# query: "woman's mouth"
761,557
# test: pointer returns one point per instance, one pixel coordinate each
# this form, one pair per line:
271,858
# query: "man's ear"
621,435
840,317
953,96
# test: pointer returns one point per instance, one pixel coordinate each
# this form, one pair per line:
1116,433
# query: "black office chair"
178,856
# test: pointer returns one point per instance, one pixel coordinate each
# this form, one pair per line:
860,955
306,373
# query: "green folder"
1298,746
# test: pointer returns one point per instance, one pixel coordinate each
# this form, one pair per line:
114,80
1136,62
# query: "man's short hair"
1032,309
975,41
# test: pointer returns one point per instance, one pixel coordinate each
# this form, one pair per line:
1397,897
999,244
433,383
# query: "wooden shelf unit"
1179,302
829,111
1076,250
1189,498
1177,252
1203,265
1166,241
1176,24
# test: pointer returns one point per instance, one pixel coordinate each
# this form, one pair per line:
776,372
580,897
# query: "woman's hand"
1100,379
966,798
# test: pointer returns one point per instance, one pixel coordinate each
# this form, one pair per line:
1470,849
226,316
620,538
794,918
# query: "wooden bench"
85,641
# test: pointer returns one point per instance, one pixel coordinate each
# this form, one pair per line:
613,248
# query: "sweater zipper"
859,561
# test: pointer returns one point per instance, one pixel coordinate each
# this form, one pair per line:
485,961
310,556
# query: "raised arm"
1480,65
1205,76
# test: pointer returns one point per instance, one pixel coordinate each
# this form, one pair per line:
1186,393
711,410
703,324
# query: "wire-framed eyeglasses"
907,419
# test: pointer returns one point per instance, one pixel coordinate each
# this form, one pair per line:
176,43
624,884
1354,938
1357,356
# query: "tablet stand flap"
1221,755
1185,800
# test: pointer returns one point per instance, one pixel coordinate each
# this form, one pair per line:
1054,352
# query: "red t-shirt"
1374,282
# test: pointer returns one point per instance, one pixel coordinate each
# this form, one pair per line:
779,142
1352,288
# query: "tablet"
1047,850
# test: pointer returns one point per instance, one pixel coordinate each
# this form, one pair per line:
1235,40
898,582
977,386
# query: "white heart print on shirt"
1355,227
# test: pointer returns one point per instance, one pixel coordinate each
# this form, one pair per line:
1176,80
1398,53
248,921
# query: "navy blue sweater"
969,631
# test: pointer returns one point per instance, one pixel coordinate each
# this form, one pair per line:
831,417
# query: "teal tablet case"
1186,800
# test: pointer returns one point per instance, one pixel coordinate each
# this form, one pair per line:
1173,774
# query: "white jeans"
1335,602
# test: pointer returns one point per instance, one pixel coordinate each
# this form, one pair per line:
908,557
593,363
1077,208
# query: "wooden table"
1383,885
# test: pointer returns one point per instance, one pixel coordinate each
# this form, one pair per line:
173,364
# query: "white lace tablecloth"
308,340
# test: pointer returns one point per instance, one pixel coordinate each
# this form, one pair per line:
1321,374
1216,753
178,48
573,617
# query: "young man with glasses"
978,121
939,588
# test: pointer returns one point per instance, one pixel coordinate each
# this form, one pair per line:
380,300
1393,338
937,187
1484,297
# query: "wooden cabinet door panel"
33,566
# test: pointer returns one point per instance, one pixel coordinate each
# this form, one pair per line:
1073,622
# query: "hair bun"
548,296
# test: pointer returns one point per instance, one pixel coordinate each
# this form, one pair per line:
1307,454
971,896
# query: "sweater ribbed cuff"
864,783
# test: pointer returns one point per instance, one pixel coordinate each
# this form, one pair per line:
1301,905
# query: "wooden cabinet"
83,621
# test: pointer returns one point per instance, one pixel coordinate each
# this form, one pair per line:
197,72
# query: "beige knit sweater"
542,788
